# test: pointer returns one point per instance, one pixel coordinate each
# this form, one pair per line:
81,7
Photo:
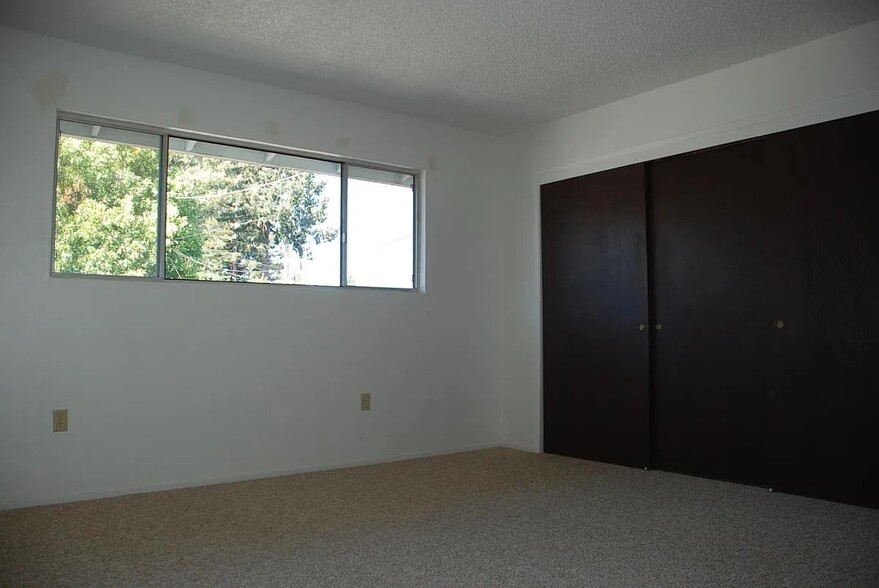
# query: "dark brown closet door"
825,421
595,358
715,239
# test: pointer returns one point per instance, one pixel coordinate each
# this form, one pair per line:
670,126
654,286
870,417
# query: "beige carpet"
493,517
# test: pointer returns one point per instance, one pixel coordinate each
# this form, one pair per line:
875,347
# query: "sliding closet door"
825,426
595,338
715,241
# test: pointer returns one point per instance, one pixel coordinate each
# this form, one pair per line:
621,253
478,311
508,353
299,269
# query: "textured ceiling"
492,65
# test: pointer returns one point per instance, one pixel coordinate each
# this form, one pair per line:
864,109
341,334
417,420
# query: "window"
146,203
106,201
241,215
380,232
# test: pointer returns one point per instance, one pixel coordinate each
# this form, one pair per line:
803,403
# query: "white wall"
172,384
828,78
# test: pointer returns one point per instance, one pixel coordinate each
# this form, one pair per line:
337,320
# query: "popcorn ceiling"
490,65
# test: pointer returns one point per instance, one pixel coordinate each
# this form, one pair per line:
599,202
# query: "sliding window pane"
380,229
106,201
244,215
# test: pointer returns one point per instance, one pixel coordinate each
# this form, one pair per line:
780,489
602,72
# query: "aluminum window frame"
166,134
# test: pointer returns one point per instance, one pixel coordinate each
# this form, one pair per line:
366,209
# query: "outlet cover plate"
59,420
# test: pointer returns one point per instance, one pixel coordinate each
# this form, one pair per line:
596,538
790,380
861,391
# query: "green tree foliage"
106,208
245,217
226,220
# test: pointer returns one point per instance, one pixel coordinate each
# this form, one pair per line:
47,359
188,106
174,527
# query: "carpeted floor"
492,517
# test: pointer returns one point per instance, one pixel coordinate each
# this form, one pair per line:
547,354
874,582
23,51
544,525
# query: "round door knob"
779,324
641,326
658,326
